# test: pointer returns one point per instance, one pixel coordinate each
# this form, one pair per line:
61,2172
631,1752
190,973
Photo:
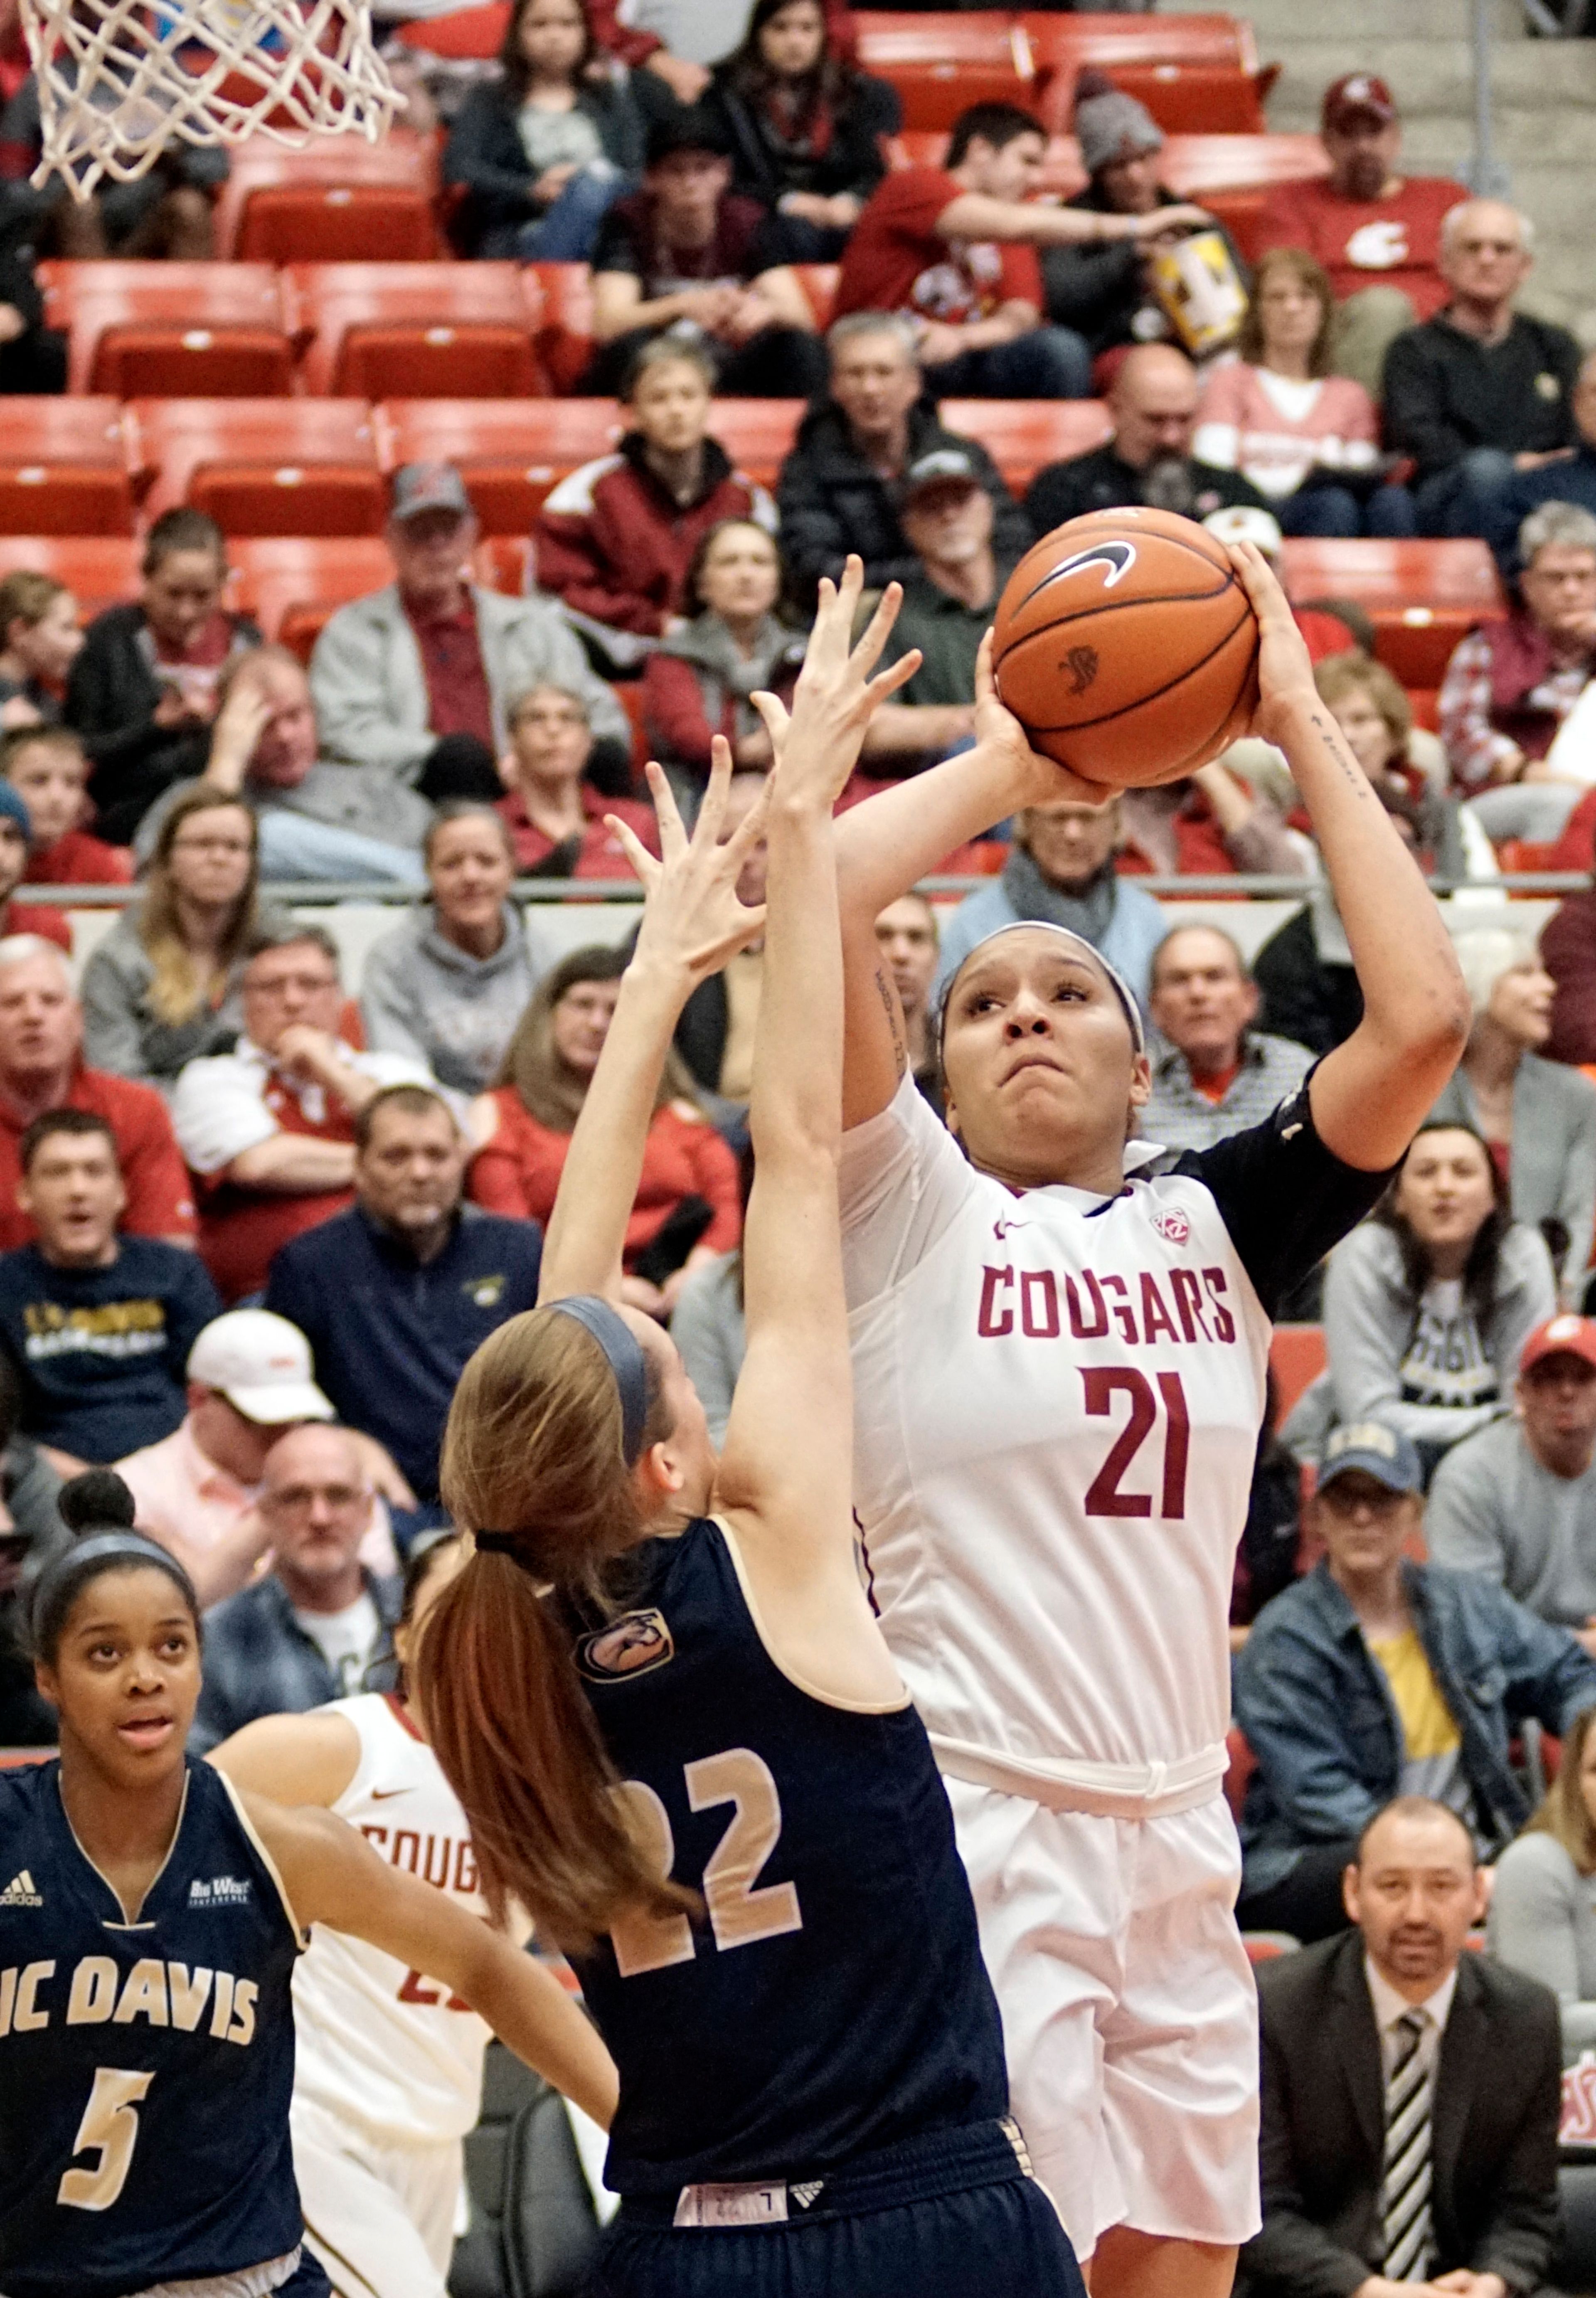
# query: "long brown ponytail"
532,1452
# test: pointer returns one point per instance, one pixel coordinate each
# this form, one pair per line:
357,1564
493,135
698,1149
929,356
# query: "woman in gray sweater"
1428,1302
449,983
1543,1918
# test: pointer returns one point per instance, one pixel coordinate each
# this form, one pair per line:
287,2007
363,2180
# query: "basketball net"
121,81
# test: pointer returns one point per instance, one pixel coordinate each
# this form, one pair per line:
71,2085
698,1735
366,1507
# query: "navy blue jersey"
146,2068
832,1999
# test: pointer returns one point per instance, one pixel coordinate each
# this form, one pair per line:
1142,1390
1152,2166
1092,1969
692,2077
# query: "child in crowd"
39,639
46,767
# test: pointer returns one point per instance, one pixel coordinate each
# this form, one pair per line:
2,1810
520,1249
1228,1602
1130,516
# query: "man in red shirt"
41,1068
1377,233
956,247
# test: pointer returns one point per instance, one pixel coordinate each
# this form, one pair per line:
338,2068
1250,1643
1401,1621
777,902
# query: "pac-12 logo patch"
630,1646
1172,1225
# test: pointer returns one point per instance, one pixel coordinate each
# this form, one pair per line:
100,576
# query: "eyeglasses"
281,985
294,1499
212,846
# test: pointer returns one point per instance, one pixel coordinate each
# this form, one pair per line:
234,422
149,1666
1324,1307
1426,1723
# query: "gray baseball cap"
429,486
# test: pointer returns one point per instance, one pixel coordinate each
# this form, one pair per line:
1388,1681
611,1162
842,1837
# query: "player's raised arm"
1371,1093
332,1875
888,844
786,1464
692,923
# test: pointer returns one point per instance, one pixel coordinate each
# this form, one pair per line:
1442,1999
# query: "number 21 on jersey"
740,1913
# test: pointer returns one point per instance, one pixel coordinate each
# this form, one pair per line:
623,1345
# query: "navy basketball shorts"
956,2215
307,2279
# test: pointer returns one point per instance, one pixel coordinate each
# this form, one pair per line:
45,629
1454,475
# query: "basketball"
1126,648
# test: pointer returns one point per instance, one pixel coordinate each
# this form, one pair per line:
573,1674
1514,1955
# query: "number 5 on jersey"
110,2128
738,1912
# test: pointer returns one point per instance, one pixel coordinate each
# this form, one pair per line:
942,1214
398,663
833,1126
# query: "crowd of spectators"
258,1207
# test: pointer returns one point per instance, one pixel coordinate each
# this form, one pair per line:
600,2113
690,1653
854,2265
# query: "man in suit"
1410,2090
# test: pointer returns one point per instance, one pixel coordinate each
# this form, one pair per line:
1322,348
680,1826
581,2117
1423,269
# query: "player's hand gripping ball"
1126,648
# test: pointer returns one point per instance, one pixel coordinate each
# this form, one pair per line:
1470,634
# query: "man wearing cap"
687,252
416,680
98,1325
1377,233
1105,293
397,1293
1479,392
1154,402
1517,1501
841,484
1376,1677
250,1376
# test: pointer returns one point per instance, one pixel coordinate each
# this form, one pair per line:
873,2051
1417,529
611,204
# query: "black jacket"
1494,2133
831,501
852,161
111,697
486,155
1445,391
1100,481
1318,1006
1098,291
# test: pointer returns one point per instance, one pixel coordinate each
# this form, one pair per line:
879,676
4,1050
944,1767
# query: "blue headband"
623,1354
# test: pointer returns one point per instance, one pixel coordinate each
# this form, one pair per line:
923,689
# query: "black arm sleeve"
1284,1198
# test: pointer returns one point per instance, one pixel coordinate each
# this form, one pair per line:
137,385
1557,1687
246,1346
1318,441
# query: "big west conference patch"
632,1645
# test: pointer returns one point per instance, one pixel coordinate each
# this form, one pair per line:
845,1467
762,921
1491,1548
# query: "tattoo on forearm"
885,992
1329,734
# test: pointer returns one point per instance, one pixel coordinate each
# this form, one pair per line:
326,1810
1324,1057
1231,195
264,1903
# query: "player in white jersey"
1059,1379
388,2066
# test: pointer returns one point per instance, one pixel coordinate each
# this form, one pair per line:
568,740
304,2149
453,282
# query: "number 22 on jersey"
740,1913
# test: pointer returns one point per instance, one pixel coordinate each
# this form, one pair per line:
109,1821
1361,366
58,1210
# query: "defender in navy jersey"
678,1737
148,1936
1060,1343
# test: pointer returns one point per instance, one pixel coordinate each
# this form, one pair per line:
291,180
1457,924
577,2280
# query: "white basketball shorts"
380,2219
1128,2011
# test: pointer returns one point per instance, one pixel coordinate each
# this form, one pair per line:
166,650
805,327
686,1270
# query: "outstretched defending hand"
692,920
818,747
1284,667
1032,779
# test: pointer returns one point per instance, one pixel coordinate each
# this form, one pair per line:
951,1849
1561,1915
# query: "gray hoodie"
423,996
123,1034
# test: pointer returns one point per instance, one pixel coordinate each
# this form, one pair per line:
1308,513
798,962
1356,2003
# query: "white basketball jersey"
1057,1403
383,2047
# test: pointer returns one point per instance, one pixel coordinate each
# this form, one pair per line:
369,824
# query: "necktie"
1405,2188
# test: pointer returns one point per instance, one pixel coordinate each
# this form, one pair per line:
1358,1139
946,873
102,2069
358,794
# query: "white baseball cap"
262,1365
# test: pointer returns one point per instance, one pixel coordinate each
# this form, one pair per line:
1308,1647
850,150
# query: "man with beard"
1154,402
1410,2091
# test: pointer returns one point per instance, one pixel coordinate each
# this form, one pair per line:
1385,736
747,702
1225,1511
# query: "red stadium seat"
1022,434
504,562
339,200
1193,165
1268,1946
510,452
170,330
819,284
1184,99
1296,1360
292,586
421,330
473,34
63,468
565,332
264,466
1106,40
1423,596
99,570
940,63
757,434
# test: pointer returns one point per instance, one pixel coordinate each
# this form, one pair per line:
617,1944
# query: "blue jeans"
565,233
1333,511
1046,363
1464,498
296,845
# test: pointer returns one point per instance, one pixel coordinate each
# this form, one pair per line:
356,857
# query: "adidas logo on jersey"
220,1891
19,1892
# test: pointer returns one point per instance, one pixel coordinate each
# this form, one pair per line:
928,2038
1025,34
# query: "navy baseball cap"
1384,1453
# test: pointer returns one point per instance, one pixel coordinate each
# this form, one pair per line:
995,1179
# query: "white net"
121,81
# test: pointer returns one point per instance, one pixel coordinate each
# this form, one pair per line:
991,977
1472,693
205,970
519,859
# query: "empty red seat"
942,63
292,586
264,466
1421,596
510,452
1296,1360
100,570
757,434
1024,434
338,200
63,468
565,326
1184,99
504,562
475,35
819,284
170,330
415,330
1193,165
1106,40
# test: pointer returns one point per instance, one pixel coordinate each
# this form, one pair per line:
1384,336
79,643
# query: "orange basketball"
1125,645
